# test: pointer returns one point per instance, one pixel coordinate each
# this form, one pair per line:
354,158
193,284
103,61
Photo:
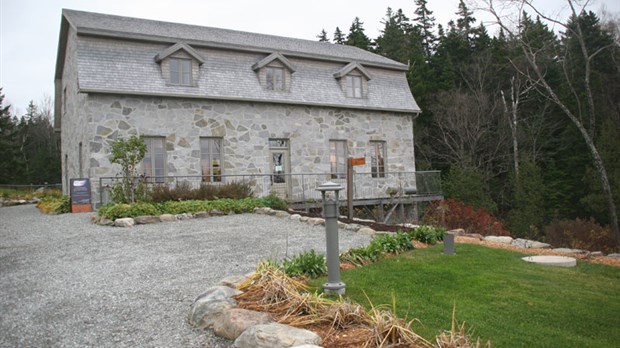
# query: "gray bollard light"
330,213
448,243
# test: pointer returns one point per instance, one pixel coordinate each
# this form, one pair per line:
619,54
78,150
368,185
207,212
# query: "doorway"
280,167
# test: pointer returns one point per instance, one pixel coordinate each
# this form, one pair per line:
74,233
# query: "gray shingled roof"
128,65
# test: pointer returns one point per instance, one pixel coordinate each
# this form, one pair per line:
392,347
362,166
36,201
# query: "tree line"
525,123
29,147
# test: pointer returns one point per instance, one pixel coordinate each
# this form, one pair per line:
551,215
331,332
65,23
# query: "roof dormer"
274,72
180,64
353,79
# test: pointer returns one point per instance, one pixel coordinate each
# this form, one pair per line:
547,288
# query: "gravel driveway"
65,282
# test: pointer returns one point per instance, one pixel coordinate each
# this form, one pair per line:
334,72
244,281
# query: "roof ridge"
313,48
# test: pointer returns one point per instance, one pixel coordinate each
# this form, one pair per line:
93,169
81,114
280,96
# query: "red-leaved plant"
453,214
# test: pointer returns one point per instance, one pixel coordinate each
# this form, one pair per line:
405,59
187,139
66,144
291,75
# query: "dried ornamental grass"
457,337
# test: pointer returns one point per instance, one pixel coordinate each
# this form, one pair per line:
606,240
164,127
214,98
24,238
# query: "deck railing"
301,188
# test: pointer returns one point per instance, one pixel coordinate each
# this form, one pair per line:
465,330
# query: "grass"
503,299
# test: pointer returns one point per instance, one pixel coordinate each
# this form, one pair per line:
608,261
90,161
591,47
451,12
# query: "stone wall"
245,129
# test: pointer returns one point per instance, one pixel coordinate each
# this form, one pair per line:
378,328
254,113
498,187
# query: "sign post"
80,196
350,163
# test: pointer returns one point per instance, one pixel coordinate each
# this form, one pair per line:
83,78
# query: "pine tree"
322,36
394,40
465,21
426,23
339,37
9,151
357,37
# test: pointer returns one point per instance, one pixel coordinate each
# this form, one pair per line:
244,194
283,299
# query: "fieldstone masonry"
245,129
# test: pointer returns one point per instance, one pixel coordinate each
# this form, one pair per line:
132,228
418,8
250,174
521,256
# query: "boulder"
234,321
208,306
596,254
614,255
146,219
342,225
499,239
366,230
472,235
540,245
216,212
316,221
295,217
521,243
201,215
124,222
260,210
184,216
281,213
308,346
206,312
304,219
167,218
275,335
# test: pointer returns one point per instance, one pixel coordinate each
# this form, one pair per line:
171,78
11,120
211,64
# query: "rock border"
216,309
359,228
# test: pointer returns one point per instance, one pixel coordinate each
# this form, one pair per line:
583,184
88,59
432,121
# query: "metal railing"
30,187
301,188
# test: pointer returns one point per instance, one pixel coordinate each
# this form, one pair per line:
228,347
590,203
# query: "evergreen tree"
357,37
394,41
426,23
465,21
9,151
322,36
339,37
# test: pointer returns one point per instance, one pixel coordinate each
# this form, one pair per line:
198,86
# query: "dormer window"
354,86
274,78
180,64
353,79
274,72
181,71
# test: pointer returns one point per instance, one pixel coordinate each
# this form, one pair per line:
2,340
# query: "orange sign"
358,161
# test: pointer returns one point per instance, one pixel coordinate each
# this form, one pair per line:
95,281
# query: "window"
275,78
211,159
181,71
354,86
338,158
154,162
279,149
377,158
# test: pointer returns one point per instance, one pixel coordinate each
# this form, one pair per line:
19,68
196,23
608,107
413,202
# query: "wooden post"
350,188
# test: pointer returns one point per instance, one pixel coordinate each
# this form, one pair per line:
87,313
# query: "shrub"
308,263
128,153
380,245
428,234
580,234
452,214
54,204
184,191
275,202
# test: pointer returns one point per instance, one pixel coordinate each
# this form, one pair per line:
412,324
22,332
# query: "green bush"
184,191
380,245
308,263
54,205
428,234
115,211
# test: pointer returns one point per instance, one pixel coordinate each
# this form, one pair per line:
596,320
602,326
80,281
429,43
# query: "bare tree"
583,117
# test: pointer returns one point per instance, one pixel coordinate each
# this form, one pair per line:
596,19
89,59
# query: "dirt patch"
583,257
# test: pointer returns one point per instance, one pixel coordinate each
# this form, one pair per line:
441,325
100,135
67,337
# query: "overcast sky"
30,28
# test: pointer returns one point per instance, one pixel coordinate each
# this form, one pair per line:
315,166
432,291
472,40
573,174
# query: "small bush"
452,214
275,202
184,191
393,243
115,211
54,205
362,255
428,234
580,234
308,263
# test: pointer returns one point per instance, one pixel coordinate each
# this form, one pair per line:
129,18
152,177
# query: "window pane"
154,162
186,70
270,78
377,159
338,158
211,159
174,71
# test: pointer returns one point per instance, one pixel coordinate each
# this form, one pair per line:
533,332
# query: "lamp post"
330,213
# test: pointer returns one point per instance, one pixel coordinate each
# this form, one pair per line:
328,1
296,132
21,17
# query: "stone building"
213,102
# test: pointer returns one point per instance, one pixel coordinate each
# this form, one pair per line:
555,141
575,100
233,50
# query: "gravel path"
65,282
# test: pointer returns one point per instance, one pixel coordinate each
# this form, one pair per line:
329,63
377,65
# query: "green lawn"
508,301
